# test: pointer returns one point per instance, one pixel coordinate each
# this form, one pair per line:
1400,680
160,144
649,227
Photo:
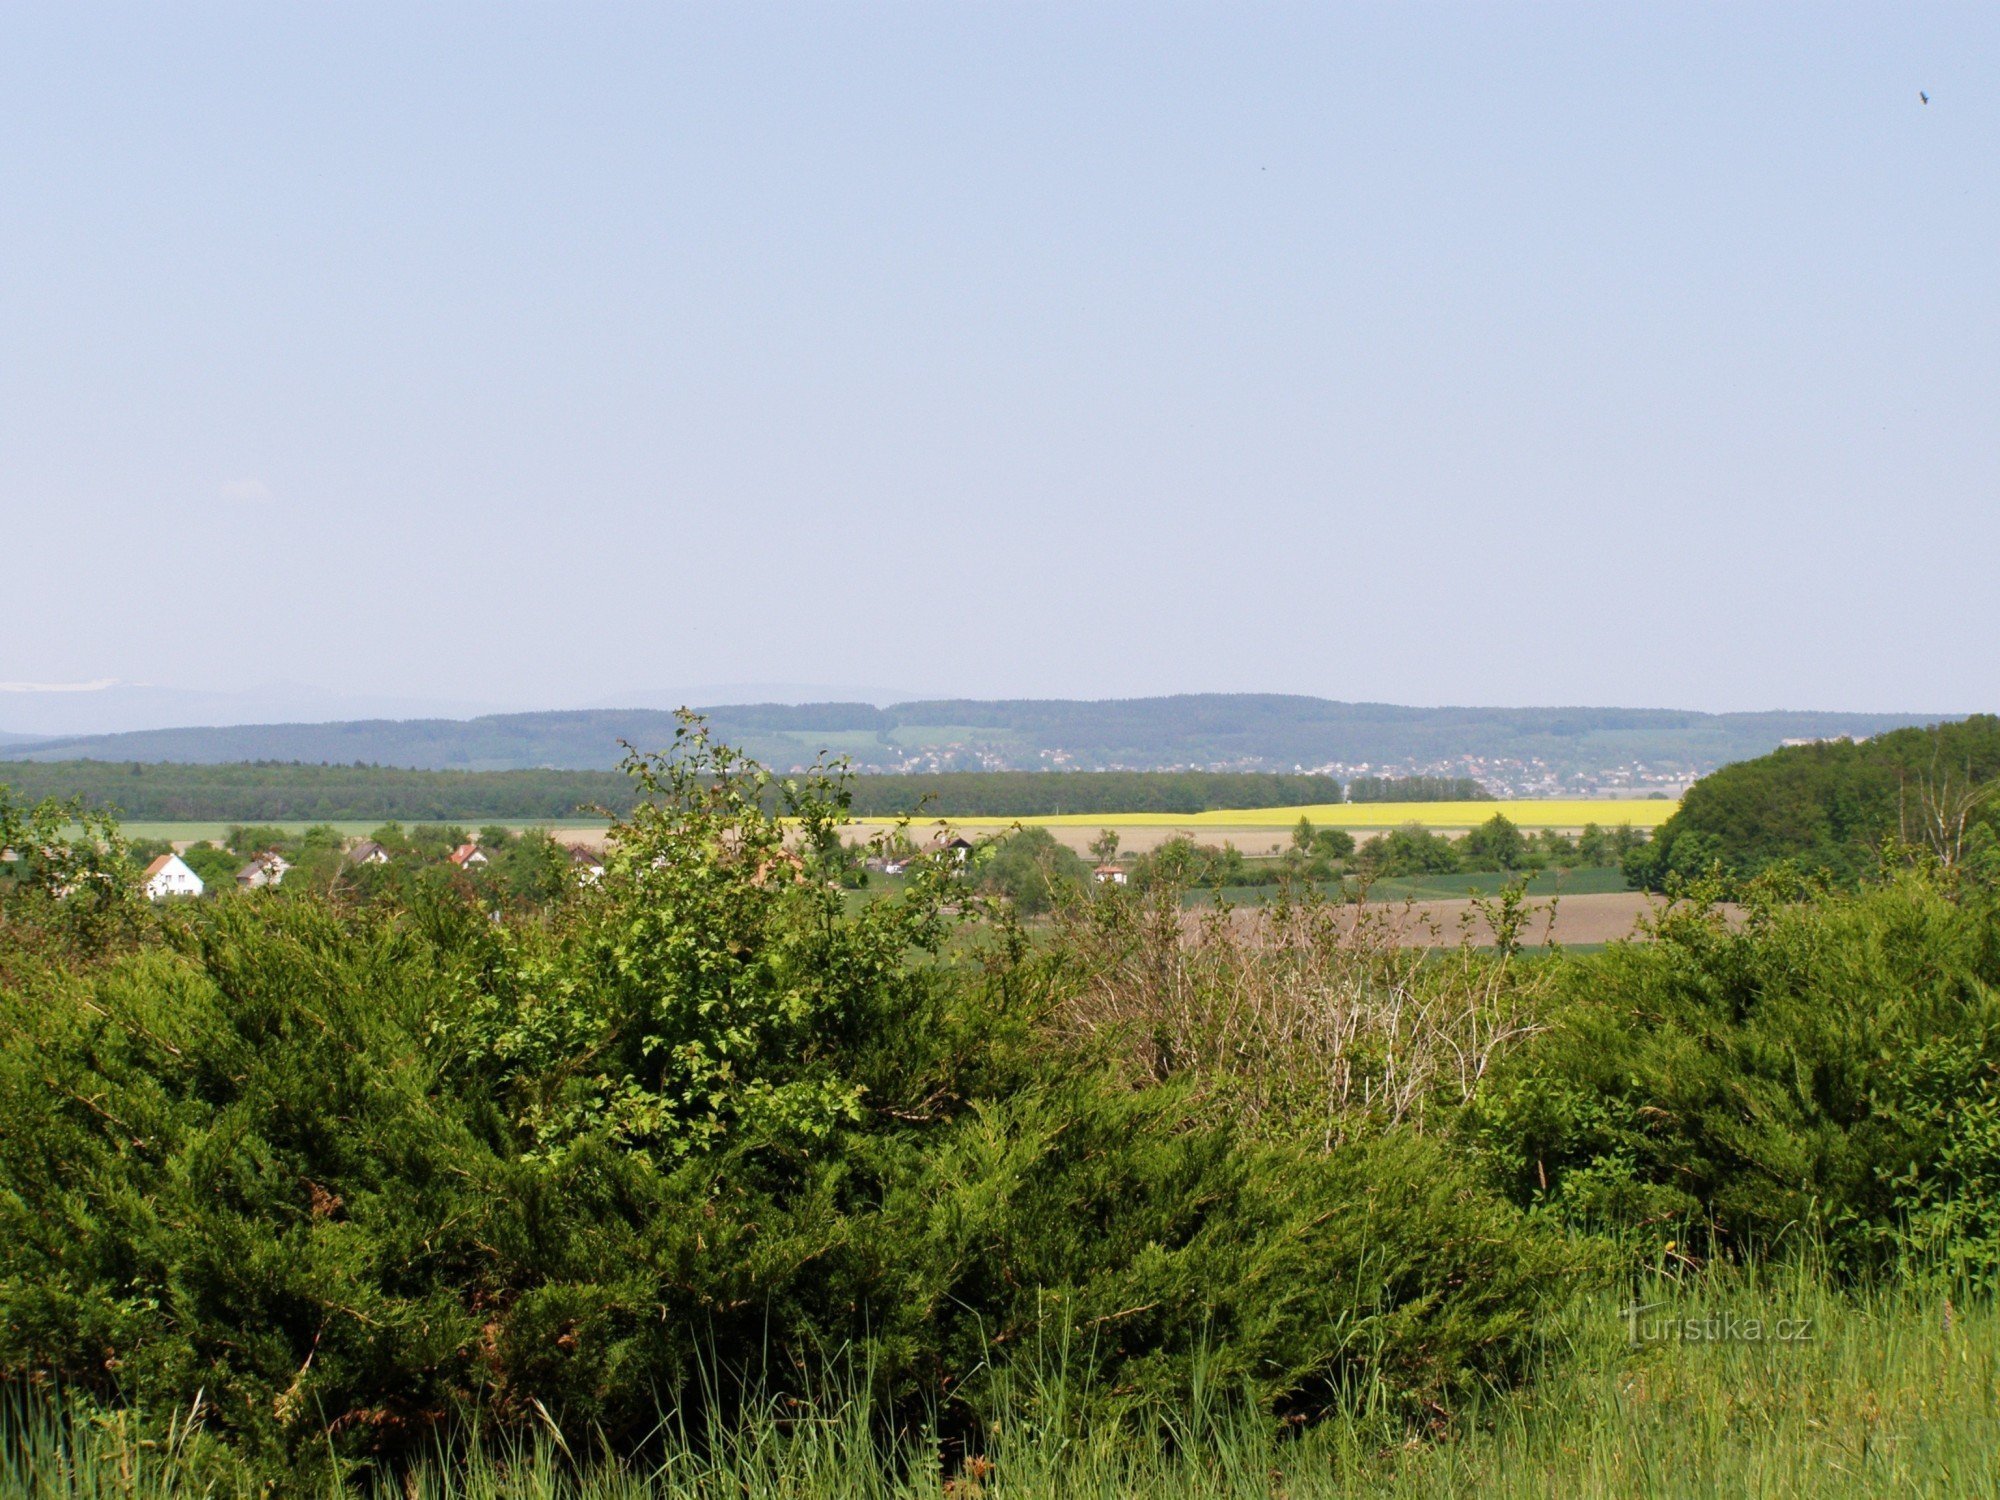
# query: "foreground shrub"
344,1175
1831,1067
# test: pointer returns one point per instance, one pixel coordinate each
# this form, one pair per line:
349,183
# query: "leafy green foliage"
217,867
1409,850
253,838
1829,806
1179,863
715,976
67,877
1416,789
1495,844
1033,871
1831,1068
352,1169
350,1164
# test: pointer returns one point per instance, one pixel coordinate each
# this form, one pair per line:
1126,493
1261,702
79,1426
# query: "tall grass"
1891,1392
1318,1010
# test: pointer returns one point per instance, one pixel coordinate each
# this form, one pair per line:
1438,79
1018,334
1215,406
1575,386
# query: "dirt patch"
1574,921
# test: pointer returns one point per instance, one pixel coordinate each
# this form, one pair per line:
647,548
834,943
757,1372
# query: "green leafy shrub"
1033,870
1831,806
1830,1067
350,1171
68,883
1409,850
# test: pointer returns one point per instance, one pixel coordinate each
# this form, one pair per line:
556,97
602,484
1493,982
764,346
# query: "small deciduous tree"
1496,844
1033,870
1409,850
70,874
706,987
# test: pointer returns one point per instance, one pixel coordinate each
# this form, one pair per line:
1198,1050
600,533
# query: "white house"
1109,874
263,869
368,852
586,865
468,856
956,850
169,876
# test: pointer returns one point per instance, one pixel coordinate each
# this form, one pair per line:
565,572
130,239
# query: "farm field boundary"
1147,829
1568,813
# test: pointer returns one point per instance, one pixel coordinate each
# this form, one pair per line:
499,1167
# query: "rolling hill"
1234,731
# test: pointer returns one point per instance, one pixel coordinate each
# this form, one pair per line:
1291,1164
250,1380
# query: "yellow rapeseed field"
1550,814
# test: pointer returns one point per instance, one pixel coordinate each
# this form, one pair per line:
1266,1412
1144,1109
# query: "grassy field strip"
1640,813
1864,1396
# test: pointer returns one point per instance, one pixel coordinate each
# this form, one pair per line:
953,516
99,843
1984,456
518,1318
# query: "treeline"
1318,855
1029,794
283,792
1831,807
279,792
1416,789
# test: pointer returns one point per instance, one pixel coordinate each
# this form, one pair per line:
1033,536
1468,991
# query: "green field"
1543,883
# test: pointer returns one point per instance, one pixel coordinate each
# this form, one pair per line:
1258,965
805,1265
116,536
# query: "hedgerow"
351,1173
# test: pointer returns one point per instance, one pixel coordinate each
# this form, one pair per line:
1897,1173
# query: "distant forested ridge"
283,793
1830,806
1201,731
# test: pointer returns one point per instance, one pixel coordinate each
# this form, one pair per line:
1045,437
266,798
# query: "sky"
520,356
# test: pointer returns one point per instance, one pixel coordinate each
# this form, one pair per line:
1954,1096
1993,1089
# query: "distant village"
1501,776
174,874
203,868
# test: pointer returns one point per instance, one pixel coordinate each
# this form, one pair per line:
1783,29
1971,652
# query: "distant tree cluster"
273,792
1033,870
1833,807
264,792
1029,794
1319,855
1497,845
1416,789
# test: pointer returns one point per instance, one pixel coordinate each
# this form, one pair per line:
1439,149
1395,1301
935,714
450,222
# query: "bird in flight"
1923,96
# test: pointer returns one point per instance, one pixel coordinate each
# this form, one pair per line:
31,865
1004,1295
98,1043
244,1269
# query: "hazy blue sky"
534,355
